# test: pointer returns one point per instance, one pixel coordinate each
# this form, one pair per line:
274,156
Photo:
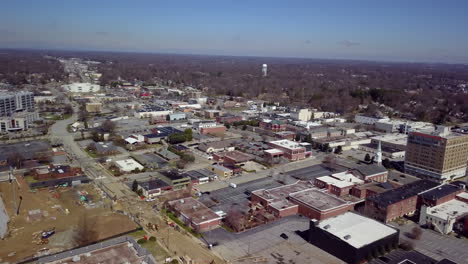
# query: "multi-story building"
439,156
300,198
302,115
17,121
16,102
368,120
292,150
81,87
388,206
228,119
446,217
273,125
153,111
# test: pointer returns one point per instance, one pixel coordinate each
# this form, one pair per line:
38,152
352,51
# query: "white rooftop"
128,165
355,229
348,177
392,138
451,209
463,195
286,144
335,182
273,151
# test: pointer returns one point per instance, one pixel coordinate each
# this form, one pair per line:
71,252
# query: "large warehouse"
81,87
352,238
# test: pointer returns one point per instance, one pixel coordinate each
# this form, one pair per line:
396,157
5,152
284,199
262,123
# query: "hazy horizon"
397,31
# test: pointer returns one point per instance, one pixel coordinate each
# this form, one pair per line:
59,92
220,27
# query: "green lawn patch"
138,234
30,179
181,224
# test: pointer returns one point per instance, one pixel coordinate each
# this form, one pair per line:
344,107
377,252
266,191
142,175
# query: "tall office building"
11,103
440,156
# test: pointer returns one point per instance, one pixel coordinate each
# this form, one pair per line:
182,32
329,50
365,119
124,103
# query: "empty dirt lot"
97,216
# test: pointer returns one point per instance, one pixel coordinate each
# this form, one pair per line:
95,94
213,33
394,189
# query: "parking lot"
228,196
436,245
265,242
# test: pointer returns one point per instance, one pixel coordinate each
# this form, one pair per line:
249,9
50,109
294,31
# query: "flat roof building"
351,237
300,198
398,202
446,217
128,165
16,102
440,156
195,214
292,150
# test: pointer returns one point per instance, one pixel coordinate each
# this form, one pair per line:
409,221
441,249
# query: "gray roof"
215,144
372,169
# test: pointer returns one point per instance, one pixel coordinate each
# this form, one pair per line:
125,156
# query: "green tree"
177,138
338,150
367,158
297,137
139,192
135,186
188,134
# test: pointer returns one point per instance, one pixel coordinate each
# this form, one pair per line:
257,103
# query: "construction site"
50,220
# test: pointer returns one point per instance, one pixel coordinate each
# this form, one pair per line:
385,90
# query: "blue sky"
398,30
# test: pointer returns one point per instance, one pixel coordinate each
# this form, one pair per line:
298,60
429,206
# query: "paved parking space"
265,241
438,246
229,196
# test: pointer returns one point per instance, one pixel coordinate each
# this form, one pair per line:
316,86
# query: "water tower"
264,70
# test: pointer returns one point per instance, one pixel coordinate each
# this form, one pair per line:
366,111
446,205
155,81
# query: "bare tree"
416,232
108,126
15,160
235,218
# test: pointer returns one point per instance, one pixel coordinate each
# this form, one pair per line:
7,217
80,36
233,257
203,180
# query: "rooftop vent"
326,227
347,237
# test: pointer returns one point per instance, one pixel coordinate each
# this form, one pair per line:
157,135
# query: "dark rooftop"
314,171
162,132
153,184
372,169
173,175
399,256
440,192
404,192
198,174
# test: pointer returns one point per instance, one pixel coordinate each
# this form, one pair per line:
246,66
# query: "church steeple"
379,154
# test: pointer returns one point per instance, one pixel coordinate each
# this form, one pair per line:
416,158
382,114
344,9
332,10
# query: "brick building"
291,150
370,189
398,202
55,172
372,172
300,198
228,119
216,130
339,184
439,195
232,157
273,125
195,214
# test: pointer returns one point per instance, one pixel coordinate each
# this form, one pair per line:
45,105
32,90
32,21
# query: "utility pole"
10,178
